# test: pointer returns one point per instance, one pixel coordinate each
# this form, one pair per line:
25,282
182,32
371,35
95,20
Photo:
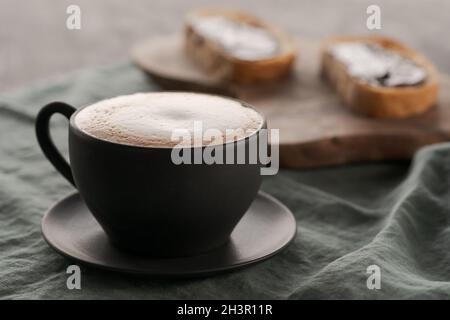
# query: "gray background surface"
35,44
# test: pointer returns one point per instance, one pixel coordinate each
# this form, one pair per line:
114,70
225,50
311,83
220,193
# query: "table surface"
35,43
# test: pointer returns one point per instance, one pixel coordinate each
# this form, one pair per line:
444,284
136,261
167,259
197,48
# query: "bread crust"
374,101
214,60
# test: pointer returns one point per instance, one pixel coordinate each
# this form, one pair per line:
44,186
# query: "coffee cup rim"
85,135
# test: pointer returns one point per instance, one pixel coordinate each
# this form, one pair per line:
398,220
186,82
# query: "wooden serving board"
316,129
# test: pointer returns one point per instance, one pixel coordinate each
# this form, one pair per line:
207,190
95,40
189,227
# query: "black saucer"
266,228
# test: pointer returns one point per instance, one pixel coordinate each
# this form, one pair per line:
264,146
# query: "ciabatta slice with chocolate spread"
237,47
379,76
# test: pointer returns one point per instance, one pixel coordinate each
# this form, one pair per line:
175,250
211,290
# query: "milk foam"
149,119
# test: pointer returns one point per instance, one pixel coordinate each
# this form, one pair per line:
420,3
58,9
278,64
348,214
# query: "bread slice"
380,101
211,56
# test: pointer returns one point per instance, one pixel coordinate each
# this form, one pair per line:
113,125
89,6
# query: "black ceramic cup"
145,203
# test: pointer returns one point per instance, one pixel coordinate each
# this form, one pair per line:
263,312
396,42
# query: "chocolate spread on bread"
378,66
238,39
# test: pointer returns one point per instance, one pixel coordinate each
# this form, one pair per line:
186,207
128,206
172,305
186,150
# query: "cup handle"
45,140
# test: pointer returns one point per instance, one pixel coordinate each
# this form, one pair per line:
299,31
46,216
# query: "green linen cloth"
393,215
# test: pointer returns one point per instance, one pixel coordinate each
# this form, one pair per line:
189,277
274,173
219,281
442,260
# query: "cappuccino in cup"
150,119
121,163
